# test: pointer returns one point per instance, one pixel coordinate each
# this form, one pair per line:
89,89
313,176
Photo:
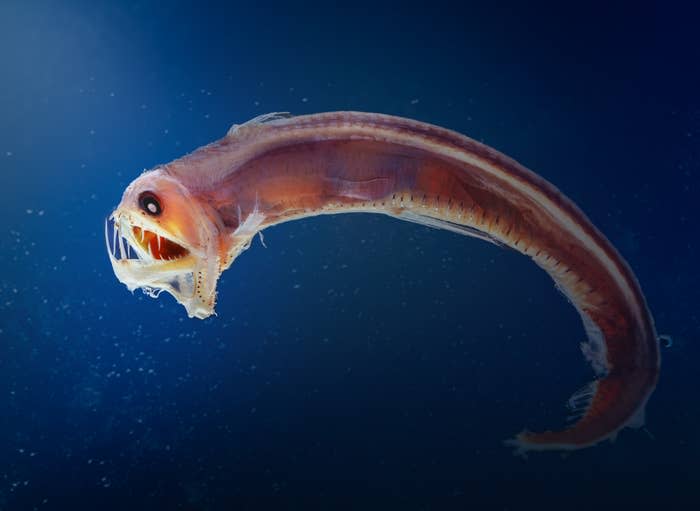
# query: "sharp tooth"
109,249
122,250
158,242
143,234
114,240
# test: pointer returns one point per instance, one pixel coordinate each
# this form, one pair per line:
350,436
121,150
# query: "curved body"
275,169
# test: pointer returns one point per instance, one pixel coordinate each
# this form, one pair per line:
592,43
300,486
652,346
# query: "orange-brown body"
279,169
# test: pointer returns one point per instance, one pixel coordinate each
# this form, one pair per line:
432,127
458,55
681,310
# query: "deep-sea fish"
180,225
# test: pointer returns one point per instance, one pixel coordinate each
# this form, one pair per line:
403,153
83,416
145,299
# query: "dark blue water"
356,357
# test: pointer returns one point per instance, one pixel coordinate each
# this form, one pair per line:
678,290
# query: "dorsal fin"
260,119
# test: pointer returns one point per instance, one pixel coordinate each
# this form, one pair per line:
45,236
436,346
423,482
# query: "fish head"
163,238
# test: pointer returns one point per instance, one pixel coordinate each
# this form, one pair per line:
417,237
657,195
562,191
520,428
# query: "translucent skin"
274,169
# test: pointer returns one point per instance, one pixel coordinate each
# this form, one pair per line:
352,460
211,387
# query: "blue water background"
355,356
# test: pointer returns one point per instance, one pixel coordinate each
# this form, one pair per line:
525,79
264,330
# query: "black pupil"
150,204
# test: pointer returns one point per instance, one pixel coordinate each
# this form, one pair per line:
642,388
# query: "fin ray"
436,223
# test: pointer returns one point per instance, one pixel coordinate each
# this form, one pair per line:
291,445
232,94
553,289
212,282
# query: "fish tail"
617,400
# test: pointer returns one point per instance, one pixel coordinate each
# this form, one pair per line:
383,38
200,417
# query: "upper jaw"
138,239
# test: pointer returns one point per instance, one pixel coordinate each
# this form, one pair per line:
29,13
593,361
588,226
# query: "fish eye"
150,204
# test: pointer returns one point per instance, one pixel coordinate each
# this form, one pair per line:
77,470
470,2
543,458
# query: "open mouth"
140,243
159,247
